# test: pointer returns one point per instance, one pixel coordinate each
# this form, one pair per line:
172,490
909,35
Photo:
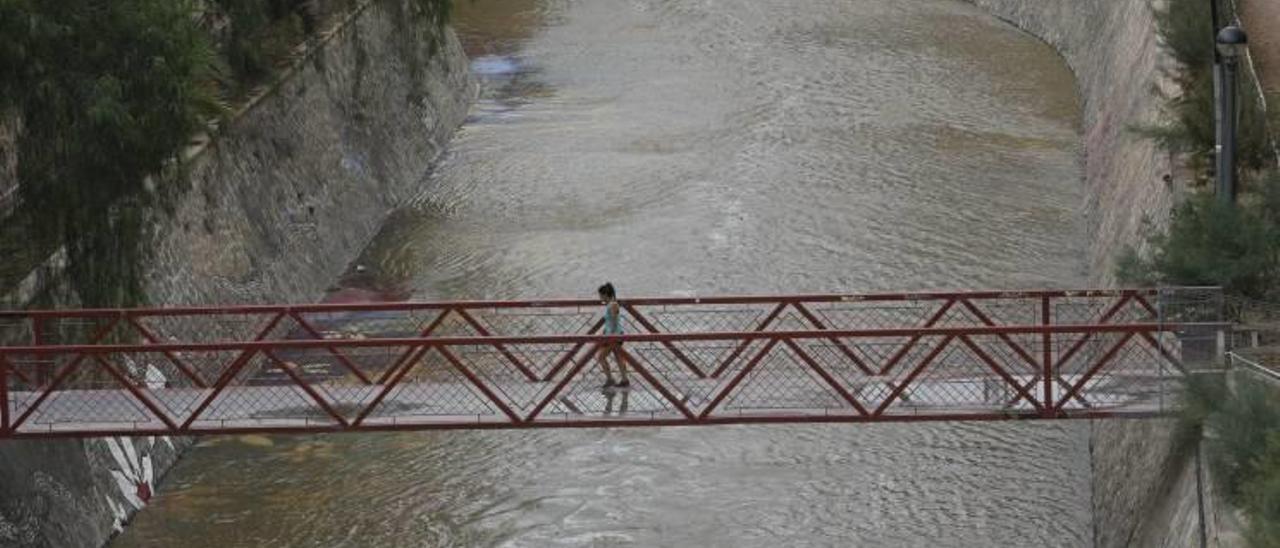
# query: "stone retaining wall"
278,204
1112,47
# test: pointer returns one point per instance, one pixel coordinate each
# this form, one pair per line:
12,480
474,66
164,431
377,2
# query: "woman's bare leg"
603,357
622,363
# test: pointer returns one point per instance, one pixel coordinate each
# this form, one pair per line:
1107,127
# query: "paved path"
1262,22
760,398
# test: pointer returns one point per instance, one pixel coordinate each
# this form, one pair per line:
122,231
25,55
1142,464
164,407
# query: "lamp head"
1231,42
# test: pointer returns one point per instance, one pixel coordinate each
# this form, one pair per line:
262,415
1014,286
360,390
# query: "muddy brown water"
699,147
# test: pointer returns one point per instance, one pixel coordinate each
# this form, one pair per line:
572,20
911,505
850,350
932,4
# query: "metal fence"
812,358
1258,367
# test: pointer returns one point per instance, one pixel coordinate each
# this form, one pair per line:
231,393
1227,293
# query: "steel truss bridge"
522,364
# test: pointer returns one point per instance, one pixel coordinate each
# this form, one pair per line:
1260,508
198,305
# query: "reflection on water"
1004,484
698,147
498,27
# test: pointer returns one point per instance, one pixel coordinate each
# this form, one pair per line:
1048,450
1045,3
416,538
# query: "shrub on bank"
258,34
1243,446
1186,33
1262,496
107,93
1241,424
1208,242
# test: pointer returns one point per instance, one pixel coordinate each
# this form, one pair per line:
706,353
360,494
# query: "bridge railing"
566,317
644,315
1264,367
469,365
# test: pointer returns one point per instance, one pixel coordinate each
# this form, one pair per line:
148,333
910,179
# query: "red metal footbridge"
520,364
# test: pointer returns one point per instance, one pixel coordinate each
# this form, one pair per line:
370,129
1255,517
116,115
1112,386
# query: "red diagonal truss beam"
426,332
559,387
62,375
1146,304
1053,374
843,348
172,357
1000,372
479,384
826,377
395,380
342,358
528,373
986,320
658,385
737,379
764,324
1094,369
231,371
915,338
912,376
20,375
137,394
1106,318
568,356
306,387
664,391
644,322
1164,352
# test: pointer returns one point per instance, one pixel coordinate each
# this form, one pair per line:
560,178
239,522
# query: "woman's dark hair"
607,291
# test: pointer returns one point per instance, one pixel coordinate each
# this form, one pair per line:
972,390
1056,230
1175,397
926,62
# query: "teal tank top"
612,322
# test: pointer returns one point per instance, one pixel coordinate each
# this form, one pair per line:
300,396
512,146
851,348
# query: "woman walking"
612,326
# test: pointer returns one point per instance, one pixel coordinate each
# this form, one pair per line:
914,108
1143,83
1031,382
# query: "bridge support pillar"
1046,319
4,394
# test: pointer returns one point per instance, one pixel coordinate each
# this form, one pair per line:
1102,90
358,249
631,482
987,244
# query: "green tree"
260,33
1244,420
1186,33
1243,446
108,91
1210,243
1262,496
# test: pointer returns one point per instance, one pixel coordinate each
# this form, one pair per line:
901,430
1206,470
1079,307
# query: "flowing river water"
699,147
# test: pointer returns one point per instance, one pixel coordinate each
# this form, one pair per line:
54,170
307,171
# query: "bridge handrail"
1267,373
939,359
1146,327
570,303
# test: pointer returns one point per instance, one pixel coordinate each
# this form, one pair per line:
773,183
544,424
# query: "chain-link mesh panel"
724,319
871,315
847,358
1191,305
433,388
16,331
783,381
533,322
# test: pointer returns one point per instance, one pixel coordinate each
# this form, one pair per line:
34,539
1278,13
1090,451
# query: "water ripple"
700,146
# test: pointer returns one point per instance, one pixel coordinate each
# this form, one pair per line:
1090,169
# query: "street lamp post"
1213,17
1231,43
